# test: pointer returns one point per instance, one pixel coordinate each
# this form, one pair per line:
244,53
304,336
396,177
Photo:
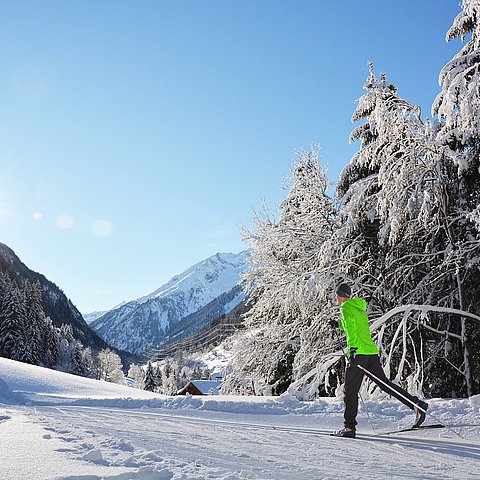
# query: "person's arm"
349,325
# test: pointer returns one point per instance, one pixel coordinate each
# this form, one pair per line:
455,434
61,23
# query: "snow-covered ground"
58,426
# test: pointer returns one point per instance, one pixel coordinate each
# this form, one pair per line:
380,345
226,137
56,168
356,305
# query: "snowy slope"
87,429
143,323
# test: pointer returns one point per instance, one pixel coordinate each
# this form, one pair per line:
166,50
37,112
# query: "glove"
333,323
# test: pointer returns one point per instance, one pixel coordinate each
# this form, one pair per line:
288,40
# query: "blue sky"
136,137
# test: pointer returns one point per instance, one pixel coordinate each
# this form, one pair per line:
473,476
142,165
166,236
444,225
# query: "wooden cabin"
200,387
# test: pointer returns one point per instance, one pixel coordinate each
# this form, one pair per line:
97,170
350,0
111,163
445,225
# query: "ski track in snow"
55,426
216,445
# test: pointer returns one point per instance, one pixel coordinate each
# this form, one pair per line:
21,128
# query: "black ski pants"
353,382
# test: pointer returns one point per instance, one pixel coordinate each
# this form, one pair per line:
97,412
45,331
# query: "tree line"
28,335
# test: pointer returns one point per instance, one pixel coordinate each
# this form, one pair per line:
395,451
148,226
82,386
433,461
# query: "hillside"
54,301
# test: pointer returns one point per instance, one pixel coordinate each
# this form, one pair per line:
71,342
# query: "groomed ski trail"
280,447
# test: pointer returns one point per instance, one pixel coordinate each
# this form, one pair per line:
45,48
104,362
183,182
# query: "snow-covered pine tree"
283,259
458,103
35,321
418,243
149,383
77,363
369,219
13,339
357,247
458,129
157,375
197,373
65,346
88,361
405,239
52,344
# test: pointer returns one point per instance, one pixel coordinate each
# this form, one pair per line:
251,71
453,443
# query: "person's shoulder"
353,304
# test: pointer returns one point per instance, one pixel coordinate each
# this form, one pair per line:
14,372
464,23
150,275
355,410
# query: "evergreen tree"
398,221
399,236
52,344
197,373
157,374
458,131
77,363
369,220
149,381
284,258
65,346
458,103
13,341
35,321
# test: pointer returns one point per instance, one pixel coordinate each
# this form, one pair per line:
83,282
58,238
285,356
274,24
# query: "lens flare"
64,222
102,228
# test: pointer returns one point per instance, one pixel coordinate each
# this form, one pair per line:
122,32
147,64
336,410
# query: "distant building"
200,387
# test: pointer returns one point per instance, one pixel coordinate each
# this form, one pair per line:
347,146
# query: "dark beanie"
344,290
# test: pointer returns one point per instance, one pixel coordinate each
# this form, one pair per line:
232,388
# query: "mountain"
91,317
144,323
202,318
215,332
55,303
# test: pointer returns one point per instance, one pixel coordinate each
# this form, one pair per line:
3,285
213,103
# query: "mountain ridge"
142,323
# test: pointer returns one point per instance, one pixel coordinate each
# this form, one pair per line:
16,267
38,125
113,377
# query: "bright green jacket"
354,323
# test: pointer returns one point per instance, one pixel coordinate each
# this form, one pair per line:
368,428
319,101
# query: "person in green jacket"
363,359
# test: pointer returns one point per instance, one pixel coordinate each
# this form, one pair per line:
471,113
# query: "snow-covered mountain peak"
144,322
218,271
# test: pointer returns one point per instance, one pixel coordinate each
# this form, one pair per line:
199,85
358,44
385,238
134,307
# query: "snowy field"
58,426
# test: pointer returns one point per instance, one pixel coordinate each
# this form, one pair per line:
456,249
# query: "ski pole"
371,375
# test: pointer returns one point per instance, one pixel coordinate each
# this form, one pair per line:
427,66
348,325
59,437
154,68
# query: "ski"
429,427
413,429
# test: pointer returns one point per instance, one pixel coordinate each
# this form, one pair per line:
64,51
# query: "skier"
363,359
